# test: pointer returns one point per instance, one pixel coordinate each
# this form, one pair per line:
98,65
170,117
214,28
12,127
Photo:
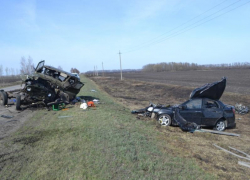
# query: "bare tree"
17,72
12,72
27,67
74,70
6,71
1,70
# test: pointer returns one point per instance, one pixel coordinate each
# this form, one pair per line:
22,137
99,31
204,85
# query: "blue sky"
83,34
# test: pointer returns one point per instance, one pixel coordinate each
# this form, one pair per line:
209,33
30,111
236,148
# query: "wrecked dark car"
47,86
203,108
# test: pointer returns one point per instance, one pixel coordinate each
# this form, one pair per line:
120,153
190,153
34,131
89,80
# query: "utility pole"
120,63
94,71
102,70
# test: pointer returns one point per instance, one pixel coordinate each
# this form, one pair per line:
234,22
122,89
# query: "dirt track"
10,125
17,118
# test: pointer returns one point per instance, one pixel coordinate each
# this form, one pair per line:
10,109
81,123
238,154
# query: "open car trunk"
212,91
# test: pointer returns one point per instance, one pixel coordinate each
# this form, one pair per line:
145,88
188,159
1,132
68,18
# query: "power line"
153,39
202,23
187,28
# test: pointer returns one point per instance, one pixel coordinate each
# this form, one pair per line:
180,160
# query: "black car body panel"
203,112
212,91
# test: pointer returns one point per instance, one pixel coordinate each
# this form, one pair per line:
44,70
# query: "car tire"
164,120
220,125
18,102
3,98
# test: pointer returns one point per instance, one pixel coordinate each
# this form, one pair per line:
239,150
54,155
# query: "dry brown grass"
137,94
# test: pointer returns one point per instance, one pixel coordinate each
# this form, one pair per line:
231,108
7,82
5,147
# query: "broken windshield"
39,67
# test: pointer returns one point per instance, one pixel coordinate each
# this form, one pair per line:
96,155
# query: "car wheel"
220,126
3,98
165,120
18,102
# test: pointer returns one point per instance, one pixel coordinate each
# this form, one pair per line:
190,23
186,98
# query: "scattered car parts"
241,109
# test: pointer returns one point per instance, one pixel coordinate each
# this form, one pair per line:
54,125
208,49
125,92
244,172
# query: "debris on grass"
91,104
64,116
242,157
96,101
8,117
84,105
241,109
246,164
247,156
217,132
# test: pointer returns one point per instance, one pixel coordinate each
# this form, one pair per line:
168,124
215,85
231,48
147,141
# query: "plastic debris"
96,101
91,104
84,106
92,90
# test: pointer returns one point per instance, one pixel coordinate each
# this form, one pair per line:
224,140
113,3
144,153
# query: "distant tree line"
108,72
236,65
173,66
12,75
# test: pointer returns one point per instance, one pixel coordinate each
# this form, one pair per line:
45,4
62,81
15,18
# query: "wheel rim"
164,120
220,126
1,98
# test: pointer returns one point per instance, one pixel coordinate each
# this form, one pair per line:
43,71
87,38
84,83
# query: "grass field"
3,85
136,94
102,143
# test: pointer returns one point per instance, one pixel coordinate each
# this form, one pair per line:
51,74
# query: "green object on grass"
57,107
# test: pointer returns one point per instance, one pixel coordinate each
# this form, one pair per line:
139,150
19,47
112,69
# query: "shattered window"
61,78
71,81
194,104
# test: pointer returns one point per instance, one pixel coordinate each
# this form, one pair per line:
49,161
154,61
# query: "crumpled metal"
241,109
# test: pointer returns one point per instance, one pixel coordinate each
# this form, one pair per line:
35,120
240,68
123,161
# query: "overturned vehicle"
46,86
203,109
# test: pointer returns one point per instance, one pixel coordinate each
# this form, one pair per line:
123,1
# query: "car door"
192,111
211,112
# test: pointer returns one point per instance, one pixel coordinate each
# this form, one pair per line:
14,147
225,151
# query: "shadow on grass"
88,98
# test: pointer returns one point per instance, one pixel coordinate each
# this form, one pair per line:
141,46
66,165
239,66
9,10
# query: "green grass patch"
103,143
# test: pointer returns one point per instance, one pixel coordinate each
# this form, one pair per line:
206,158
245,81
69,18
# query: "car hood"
212,91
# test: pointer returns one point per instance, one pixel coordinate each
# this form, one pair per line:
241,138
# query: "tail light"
233,110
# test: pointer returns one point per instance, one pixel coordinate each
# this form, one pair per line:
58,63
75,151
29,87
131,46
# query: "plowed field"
238,80
137,89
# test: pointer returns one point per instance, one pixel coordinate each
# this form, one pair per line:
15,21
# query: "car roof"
59,70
